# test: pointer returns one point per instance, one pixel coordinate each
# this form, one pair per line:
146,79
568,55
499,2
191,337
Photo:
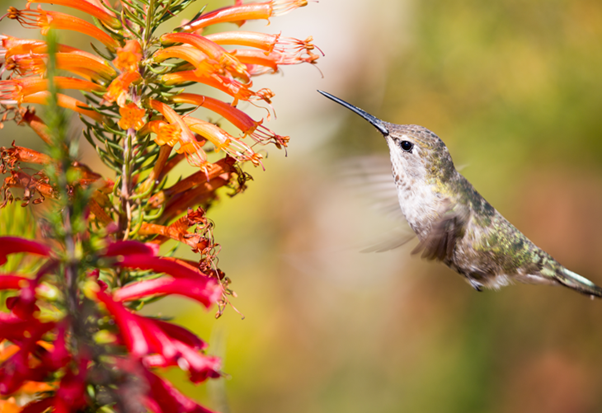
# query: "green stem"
125,218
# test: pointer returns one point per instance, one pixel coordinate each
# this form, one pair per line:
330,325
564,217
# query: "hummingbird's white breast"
419,201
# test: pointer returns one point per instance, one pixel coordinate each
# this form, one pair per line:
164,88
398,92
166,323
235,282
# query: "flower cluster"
135,85
70,335
38,323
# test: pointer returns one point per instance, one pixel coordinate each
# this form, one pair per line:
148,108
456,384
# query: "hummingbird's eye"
406,146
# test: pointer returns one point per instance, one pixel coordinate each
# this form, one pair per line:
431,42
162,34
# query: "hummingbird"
454,223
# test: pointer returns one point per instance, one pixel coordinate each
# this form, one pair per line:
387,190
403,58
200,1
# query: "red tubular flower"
130,248
167,350
12,282
161,344
70,395
61,21
181,334
129,327
240,13
205,292
39,406
160,265
165,398
185,281
94,11
13,245
19,368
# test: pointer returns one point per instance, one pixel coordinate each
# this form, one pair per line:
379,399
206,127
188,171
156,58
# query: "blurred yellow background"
514,88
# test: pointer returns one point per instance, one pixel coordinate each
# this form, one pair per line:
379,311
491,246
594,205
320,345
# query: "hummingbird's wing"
369,177
441,241
393,242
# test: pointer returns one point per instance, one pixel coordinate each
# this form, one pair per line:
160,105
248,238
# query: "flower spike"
71,325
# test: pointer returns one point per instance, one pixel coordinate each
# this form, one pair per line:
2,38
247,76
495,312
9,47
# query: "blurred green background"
514,88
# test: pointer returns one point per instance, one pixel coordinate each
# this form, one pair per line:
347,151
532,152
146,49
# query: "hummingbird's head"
416,152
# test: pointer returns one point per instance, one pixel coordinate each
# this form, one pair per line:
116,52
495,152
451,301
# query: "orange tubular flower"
232,87
256,57
192,55
272,60
214,51
66,102
79,64
15,90
128,56
15,46
237,117
131,117
177,131
222,140
94,11
240,13
263,41
119,87
61,21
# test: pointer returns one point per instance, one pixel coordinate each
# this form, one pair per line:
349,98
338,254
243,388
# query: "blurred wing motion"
370,178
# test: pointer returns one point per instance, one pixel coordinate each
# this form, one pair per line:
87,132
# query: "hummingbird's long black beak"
378,124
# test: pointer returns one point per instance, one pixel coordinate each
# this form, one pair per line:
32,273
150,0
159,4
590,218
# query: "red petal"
168,399
158,264
38,406
131,330
200,366
12,245
204,290
157,339
181,334
12,282
131,248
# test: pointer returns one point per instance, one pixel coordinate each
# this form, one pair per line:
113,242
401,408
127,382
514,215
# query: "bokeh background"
514,88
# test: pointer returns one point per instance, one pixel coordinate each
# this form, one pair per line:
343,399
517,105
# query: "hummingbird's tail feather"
578,283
